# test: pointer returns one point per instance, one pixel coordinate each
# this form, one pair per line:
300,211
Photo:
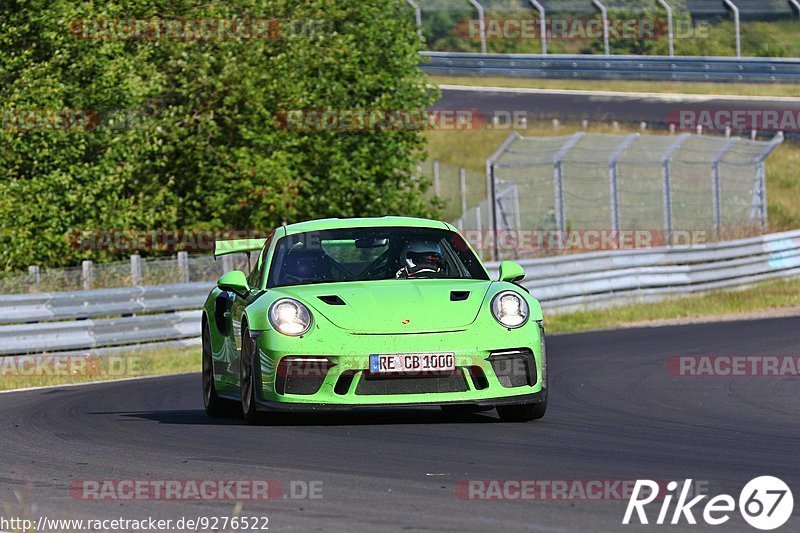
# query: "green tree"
182,133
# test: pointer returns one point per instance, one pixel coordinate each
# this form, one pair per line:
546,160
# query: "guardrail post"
482,22
613,178
87,275
604,14
491,190
35,276
417,15
558,180
542,24
436,190
738,24
666,171
183,266
716,189
671,28
136,269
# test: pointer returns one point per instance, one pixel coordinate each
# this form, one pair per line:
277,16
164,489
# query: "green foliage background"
187,138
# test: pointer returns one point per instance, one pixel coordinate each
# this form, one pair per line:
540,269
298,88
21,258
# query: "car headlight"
290,317
510,309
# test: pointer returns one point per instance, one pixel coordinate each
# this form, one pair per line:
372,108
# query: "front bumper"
346,383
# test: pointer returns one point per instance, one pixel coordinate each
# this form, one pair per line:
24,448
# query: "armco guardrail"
591,280
49,306
596,67
87,320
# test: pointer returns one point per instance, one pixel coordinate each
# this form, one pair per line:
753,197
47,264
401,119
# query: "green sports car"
371,312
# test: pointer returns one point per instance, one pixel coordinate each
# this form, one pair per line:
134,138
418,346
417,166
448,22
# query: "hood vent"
332,300
458,296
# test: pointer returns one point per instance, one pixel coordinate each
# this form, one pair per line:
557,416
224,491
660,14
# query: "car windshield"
361,254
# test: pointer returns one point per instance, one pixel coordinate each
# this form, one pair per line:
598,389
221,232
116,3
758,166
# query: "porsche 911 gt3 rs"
371,312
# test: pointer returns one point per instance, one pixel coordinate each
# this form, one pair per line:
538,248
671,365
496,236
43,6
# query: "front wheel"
522,413
247,378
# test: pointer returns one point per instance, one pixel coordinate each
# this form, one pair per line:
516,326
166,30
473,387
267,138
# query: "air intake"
332,300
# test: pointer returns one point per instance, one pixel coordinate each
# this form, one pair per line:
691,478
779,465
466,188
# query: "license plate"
411,363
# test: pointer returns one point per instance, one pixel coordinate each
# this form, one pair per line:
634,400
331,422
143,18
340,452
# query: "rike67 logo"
765,503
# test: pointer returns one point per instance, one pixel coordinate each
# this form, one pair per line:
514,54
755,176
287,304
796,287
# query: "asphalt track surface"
656,110
615,414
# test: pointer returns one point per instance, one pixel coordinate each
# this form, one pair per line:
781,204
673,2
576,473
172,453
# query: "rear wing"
238,246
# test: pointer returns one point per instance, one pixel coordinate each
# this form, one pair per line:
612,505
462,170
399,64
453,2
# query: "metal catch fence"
630,182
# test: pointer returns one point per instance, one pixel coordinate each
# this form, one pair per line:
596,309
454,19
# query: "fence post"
482,22
613,178
183,266
35,274
87,275
491,193
671,29
796,4
558,180
462,178
136,269
738,24
666,169
436,189
604,14
227,263
542,24
716,188
760,189
417,15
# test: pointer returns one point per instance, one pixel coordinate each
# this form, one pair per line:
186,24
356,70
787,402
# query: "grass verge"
725,304
732,89
19,372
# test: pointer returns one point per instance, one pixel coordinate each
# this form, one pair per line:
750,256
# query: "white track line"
70,385
667,97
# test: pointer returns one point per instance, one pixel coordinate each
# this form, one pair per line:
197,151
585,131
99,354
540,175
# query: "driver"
422,258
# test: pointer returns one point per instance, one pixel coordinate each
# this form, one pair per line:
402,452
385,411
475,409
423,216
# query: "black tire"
522,413
216,407
247,379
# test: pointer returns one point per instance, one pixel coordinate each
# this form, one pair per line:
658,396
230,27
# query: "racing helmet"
422,256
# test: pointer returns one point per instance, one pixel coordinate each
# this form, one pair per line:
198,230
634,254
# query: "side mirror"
510,271
234,281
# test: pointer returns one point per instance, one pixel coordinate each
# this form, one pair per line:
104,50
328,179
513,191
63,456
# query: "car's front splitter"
488,403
